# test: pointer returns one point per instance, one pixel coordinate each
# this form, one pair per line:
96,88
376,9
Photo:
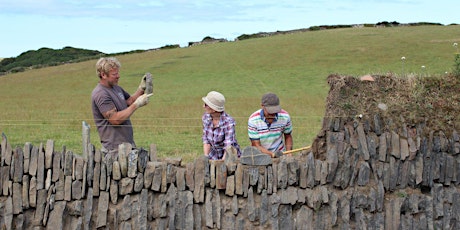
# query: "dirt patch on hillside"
409,100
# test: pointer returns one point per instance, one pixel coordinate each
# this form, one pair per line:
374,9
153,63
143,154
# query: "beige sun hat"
215,101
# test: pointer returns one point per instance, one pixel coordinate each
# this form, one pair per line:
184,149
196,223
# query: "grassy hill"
52,102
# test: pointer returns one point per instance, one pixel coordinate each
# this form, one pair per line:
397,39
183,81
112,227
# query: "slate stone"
383,147
200,166
362,142
239,179
33,163
78,163
262,181
212,170
251,206
103,178
90,165
126,210
125,186
269,180
96,178
285,217
48,179
33,192
395,145
304,218
124,150
76,190
18,167
56,216
8,213
208,208
282,174
142,210
132,163
56,167
216,209
311,170
364,174
231,159
138,182
325,174
170,174
189,176
113,191
148,174
40,208
68,161
289,195
157,176
102,208
41,169
17,198
197,216
142,159
253,173
318,165
230,187
67,188
404,145
25,191
49,154
252,156
6,151
180,179
293,171
116,171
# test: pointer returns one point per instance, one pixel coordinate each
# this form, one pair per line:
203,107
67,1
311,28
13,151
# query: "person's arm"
115,117
288,141
206,149
133,97
256,143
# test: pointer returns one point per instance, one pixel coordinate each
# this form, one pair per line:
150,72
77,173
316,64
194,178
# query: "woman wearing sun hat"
218,127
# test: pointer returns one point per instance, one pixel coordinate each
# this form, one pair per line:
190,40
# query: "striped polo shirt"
271,136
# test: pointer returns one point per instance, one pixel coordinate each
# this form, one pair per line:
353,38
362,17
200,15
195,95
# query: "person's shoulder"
284,112
98,90
255,114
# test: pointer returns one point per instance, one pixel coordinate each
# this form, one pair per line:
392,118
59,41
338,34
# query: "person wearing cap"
270,128
218,127
112,106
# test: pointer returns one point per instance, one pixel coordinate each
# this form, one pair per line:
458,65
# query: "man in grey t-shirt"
112,106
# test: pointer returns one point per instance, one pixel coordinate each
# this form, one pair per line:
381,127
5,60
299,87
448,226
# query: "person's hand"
142,100
143,83
277,154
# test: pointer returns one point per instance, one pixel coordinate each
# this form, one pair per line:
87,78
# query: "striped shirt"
219,137
271,136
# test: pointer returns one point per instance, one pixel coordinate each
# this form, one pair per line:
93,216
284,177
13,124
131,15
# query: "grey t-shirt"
103,100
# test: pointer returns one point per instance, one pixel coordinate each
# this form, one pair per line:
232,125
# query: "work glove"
142,100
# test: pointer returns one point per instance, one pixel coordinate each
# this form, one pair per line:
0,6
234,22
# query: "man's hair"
105,64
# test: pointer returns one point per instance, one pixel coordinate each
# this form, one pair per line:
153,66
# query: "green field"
52,102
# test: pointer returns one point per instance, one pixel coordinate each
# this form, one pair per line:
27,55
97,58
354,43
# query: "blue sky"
125,25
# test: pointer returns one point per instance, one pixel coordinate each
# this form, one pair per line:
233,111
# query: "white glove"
142,100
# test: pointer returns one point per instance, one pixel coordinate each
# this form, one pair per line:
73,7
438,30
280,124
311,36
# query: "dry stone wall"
356,177
362,172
